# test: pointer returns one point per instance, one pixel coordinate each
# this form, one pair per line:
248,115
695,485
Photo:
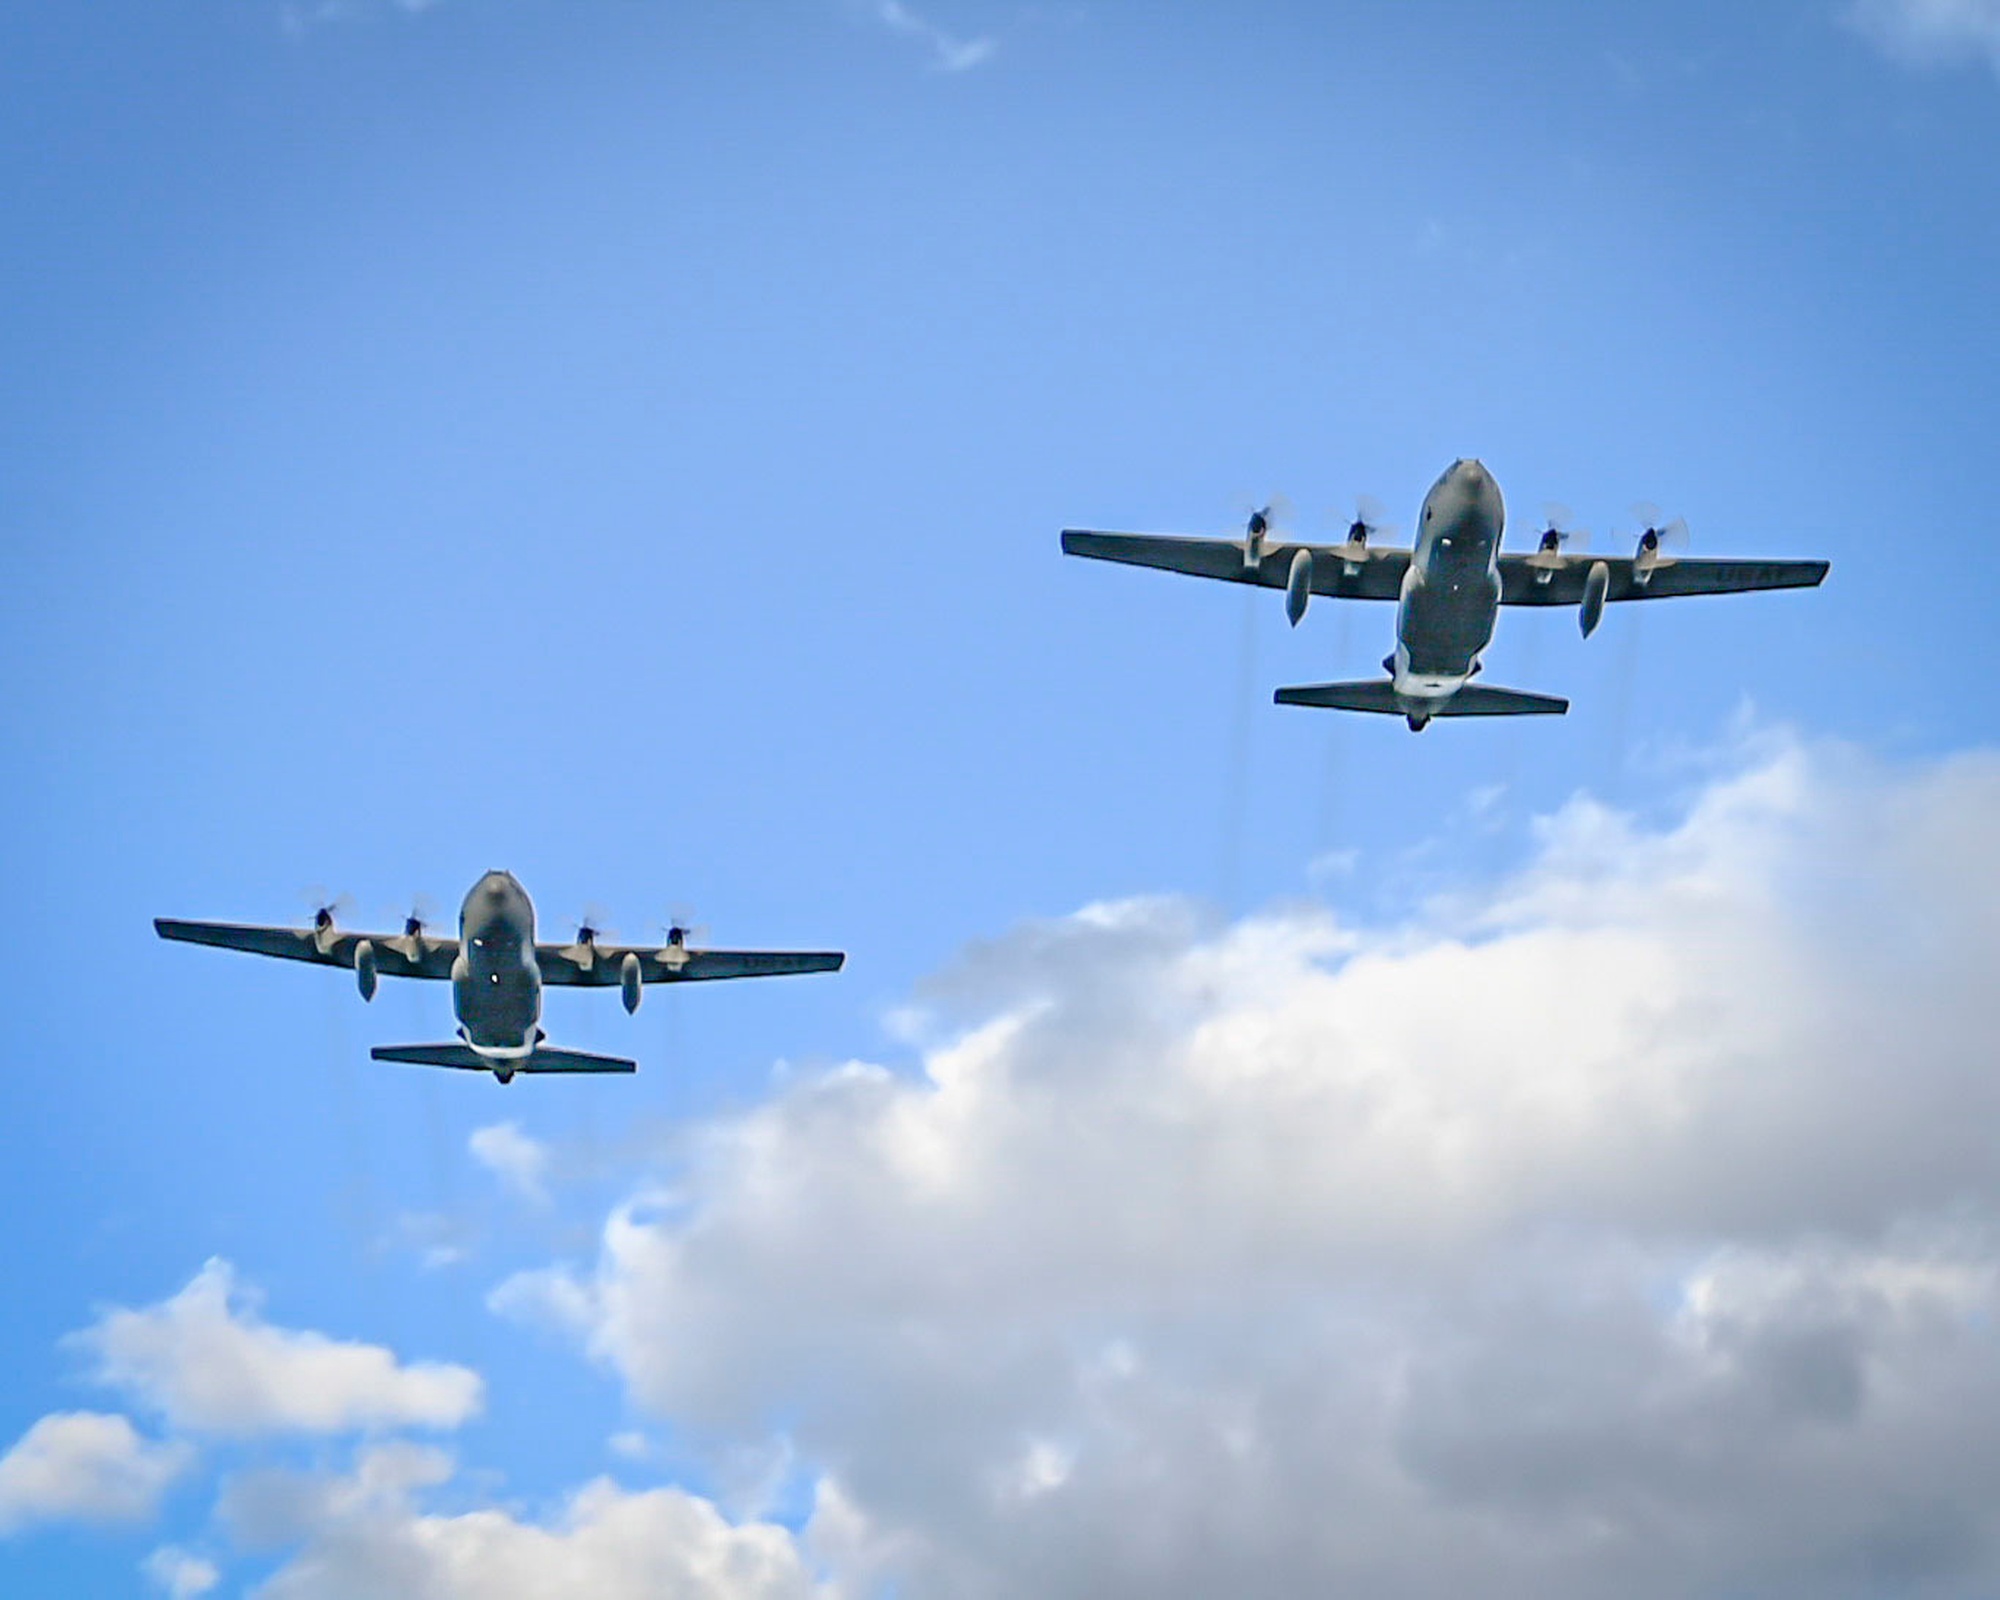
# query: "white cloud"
1632,1226
209,1363
521,1163
1930,32
948,52
178,1574
368,1534
85,1466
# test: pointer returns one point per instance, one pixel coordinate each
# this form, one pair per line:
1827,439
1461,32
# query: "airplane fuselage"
1451,591
496,986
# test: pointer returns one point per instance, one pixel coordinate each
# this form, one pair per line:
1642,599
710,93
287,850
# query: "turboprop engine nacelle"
1596,584
1298,586
364,969
631,982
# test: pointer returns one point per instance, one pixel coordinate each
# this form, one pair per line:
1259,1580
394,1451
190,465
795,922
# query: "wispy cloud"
298,16
949,52
521,1163
179,1575
1930,32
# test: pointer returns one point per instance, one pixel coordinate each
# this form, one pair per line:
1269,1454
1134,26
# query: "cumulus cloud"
1930,32
521,1163
1630,1225
948,51
367,1534
207,1361
178,1574
85,1466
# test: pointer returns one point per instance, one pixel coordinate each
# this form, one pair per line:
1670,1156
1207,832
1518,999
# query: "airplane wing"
599,966
396,955
1527,581
1351,572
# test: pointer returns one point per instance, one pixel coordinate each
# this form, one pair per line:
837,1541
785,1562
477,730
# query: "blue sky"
626,443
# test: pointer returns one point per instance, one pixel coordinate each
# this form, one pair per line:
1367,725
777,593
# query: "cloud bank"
1631,1225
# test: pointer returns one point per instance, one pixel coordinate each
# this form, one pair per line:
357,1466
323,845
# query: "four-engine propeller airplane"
497,972
1448,591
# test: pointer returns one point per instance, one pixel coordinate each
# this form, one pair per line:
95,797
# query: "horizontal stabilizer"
1379,694
464,1056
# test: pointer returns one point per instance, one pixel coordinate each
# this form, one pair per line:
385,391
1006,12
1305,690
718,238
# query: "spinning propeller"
1559,530
1263,520
1656,536
592,928
1371,519
327,910
680,929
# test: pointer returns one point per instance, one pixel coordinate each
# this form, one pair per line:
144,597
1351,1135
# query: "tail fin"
1379,694
465,1057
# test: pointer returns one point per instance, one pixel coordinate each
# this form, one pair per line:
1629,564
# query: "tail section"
542,1059
1379,695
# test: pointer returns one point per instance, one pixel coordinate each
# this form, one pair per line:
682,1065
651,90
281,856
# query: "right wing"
1533,580
396,955
1350,572
598,966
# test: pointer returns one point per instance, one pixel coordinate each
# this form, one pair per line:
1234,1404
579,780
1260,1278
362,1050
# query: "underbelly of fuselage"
499,1007
1444,623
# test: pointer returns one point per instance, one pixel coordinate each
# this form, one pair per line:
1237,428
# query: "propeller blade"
1559,530
1371,520
421,917
1262,520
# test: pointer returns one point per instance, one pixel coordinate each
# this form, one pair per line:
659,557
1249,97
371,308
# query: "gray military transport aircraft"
497,972
1448,590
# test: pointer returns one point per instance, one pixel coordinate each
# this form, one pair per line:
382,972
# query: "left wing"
599,966
1536,580
1350,571
396,955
